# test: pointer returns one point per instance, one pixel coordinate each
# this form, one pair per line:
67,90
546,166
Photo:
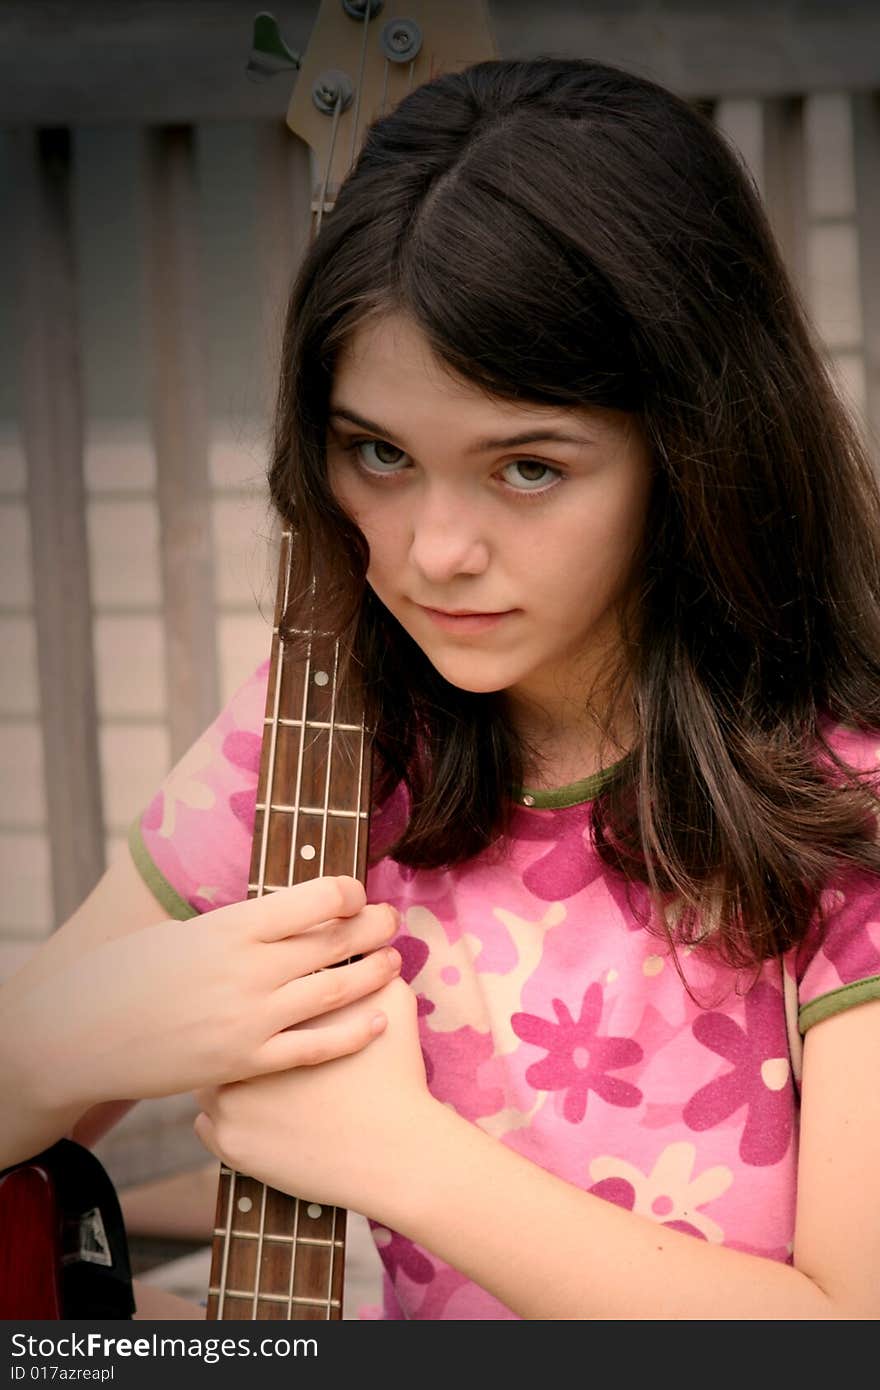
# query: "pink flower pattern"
768,1126
554,1002
242,749
578,1059
623,1194
565,868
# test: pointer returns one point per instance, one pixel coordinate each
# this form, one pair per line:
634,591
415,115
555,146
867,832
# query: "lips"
464,612
464,621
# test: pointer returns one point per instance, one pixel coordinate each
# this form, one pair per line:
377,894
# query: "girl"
557,443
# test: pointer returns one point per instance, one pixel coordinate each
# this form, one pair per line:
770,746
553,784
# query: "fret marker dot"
244,1204
313,1210
321,678
308,851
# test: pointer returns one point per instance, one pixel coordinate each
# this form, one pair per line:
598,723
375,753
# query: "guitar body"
64,1252
30,1252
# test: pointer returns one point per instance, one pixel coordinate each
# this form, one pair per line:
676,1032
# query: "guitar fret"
276,1239
316,724
312,810
278,1298
299,632
260,888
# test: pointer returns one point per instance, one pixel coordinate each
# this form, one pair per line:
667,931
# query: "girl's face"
501,536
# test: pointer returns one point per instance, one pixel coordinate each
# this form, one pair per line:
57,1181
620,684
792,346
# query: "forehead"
389,373
388,366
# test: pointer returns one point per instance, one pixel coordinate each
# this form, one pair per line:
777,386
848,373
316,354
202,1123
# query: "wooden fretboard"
275,1256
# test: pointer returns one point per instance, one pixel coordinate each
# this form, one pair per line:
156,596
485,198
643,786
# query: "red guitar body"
63,1249
30,1250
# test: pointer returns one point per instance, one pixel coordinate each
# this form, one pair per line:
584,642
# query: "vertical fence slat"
866,152
181,434
284,184
52,430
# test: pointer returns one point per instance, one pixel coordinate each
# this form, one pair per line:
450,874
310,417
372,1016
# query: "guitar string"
270,784
356,864
286,542
321,861
360,82
330,738
320,214
261,1232
307,670
306,676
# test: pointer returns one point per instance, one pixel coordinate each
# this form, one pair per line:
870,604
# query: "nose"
447,537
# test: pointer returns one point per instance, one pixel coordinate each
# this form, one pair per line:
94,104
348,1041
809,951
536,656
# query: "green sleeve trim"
837,1000
174,904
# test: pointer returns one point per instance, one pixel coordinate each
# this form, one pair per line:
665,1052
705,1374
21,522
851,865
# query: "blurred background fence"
154,208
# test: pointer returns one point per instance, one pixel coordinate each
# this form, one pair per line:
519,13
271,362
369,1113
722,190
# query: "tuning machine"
269,53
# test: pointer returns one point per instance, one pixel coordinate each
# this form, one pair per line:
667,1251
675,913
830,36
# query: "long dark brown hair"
567,233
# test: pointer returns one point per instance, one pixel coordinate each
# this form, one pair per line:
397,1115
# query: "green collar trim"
575,794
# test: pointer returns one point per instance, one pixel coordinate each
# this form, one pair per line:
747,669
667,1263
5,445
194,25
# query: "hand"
180,1005
339,1133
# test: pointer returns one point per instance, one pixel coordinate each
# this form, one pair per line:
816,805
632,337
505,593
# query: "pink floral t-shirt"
552,1019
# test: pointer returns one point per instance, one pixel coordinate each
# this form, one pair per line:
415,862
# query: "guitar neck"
276,1256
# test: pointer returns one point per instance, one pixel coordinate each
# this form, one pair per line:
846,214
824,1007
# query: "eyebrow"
510,441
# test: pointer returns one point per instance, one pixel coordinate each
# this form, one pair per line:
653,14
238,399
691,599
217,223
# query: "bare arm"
605,1262
380,1143
120,902
123,1002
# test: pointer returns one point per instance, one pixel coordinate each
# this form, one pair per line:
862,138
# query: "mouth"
463,612
465,620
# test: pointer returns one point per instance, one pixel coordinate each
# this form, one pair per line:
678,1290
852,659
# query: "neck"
565,742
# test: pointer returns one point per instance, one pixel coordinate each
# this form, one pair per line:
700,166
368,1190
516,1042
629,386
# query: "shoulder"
838,962
191,843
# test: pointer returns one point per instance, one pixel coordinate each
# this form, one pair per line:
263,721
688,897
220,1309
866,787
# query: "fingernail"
393,957
377,1024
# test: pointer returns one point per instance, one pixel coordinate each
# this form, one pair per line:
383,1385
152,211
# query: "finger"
204,1132
290,911
321,993
347,1031
330,943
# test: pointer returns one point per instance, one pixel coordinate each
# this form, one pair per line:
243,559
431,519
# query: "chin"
474,684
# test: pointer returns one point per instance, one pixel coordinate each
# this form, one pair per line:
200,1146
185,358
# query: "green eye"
386,458
528,475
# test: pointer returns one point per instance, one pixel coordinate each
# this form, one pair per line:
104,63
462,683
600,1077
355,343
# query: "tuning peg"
357,9
269,53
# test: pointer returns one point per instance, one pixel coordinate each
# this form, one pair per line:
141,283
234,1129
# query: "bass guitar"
275,1256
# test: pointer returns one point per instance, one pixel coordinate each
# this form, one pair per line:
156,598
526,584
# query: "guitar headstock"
361,59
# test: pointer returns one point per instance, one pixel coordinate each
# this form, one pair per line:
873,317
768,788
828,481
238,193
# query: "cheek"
387,553
351,499
591,563
622,527
339,478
